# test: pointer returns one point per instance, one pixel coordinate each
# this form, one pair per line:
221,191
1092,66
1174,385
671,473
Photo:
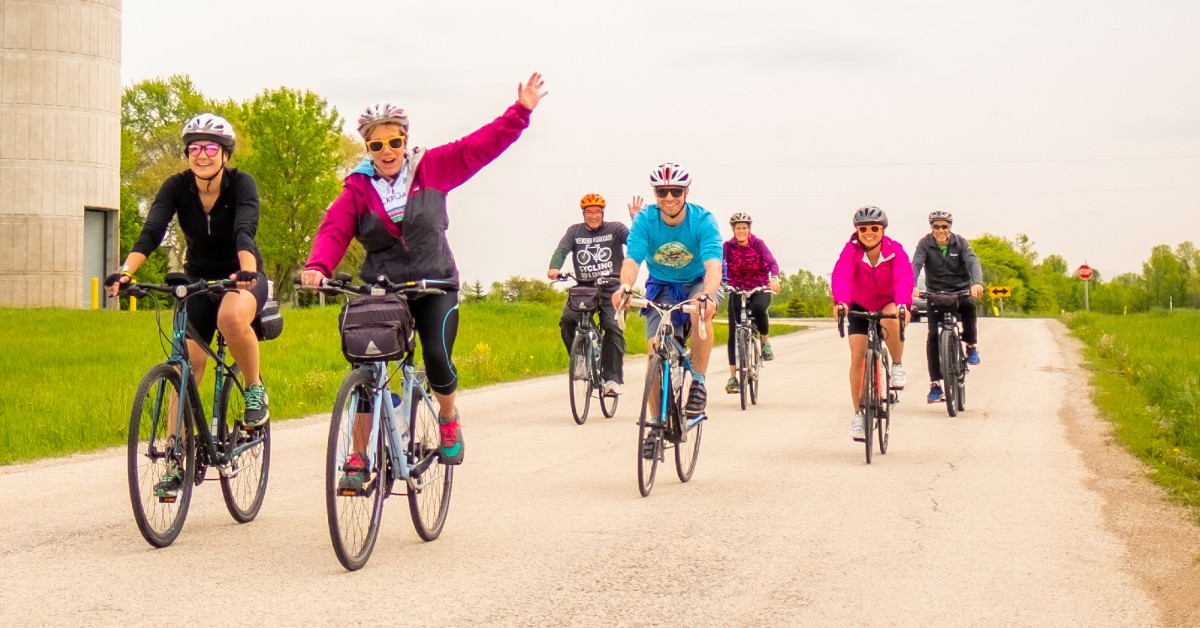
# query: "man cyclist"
950,266
597,248
681,245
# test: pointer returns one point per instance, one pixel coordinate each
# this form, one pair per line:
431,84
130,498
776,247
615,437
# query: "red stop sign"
1084,272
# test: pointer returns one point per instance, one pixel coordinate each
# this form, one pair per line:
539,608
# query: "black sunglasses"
871,228
662,192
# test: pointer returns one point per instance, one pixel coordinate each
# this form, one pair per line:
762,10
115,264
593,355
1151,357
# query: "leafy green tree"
1004,265
474,291
517,288
1123,294
802,294
1165,278
294,152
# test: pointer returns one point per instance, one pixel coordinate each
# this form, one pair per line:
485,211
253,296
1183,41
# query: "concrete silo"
60,149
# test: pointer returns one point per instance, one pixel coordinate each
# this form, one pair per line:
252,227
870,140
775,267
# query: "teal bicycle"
169,430
395,435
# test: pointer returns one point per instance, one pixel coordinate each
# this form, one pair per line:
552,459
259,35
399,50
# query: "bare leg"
234,317
891,335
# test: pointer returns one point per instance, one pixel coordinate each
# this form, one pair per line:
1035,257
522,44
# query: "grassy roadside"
1146,381
69,376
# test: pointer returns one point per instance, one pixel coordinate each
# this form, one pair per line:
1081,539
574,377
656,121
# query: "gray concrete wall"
60,141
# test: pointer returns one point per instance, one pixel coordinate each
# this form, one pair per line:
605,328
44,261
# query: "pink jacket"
873,287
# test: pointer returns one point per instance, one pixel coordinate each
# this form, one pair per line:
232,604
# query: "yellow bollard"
995,311
95,293
132,304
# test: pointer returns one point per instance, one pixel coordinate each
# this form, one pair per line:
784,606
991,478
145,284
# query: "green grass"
69,375
1146,380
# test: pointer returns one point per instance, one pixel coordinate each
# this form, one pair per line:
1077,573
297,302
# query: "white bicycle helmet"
740,217
211,127
380,113
940,214
870,215
670,174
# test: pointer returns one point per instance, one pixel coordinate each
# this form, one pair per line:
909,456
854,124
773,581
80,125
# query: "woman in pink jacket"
394,204
873,274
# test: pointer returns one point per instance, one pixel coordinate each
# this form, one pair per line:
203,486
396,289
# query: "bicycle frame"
399,428
674,355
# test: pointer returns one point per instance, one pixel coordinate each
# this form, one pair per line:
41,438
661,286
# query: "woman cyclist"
394,203
218,209
748,265
872,274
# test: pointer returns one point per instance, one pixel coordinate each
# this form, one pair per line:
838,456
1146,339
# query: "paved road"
989,519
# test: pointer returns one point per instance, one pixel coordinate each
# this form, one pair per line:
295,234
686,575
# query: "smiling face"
870,235
741,232
668,202
390,141
593,216
205,158
941,232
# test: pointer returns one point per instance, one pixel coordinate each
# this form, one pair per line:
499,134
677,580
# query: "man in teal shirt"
681,246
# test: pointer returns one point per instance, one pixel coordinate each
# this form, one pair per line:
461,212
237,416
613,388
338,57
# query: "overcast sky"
1075,122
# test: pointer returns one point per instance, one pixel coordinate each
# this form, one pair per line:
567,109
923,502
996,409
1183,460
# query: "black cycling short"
857,326
202,310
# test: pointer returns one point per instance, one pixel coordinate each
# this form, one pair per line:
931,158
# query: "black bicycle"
747,347
169,432
584,374
388,443
878,397
951,356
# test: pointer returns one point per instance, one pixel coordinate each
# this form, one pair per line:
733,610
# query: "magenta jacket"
415,248
873,287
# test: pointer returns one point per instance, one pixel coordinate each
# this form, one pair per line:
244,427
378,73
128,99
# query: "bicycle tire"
742,359
755,369
649,432
869,395
949,361
883,417
160,521
354,519
962,386
244,491
430,501
580,388
687,449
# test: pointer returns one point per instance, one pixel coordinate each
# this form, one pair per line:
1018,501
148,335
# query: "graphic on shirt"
593,253
673,255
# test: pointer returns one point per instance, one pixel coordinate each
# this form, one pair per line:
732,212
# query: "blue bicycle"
379,438
663,423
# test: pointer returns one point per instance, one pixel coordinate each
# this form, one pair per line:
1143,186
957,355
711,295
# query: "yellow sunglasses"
377,145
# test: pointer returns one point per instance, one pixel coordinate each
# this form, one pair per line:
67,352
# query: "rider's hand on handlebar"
916,292
312,278
839,310
552,273
976,291
112,283
774,285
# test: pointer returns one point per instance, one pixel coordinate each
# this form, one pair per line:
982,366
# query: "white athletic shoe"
899,377
856,427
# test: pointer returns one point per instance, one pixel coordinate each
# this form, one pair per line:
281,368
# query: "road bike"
747,347
878,397
170,431
663,424
584,375
943,306
397,435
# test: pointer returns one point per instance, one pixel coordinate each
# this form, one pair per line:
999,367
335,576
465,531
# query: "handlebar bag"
376,328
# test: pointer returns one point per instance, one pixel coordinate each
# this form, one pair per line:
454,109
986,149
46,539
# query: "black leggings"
758,302
436,316
966,314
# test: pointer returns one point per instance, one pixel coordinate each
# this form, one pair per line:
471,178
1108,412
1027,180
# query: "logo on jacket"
673,255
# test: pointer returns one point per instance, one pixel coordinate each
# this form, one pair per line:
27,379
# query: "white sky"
1076,122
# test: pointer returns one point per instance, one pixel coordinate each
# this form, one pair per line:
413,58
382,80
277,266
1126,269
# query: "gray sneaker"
579,369
857,431
612,388
257,412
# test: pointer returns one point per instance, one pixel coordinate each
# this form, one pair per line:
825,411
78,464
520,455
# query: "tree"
294,155
802,294
1165,278
1003,265
475,292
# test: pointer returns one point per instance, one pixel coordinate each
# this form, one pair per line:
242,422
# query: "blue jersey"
675,254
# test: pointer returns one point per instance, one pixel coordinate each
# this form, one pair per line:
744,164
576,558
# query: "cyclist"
950,266
218,210
394,204
598,249
681,245
873,273
748,265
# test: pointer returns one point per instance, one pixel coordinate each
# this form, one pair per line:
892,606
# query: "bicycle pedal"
167,499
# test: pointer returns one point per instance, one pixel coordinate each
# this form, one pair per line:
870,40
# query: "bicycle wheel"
429,490
152,447
580,379
244,481
883,416
870,395
354,515
962,385
948,355
650,434
755,368
743,367
687,449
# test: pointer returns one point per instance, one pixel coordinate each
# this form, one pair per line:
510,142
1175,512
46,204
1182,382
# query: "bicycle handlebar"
343,284
599,281
177,286
843,314
691,306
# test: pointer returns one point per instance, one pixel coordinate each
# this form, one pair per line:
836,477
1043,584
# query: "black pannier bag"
376,328
583,298
269,323
943,301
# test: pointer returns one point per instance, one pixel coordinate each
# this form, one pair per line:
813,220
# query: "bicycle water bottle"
401,422
676,376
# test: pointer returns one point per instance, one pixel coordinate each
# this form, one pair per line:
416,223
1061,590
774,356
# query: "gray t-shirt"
598,253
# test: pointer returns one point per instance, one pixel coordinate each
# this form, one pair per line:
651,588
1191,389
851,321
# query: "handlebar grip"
638,302
842,323
703,307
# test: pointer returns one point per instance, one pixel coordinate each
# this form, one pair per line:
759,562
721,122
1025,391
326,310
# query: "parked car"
920,307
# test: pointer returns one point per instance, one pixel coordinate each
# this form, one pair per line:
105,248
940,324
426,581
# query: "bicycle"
668,378
951,356
366,421
169,430
585,351
877,396
747,347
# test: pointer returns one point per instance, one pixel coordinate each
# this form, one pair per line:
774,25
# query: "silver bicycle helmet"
940,214
870,215
740,217
380,113
211,127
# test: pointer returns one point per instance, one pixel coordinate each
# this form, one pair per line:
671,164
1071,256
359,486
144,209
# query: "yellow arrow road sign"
1000,291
